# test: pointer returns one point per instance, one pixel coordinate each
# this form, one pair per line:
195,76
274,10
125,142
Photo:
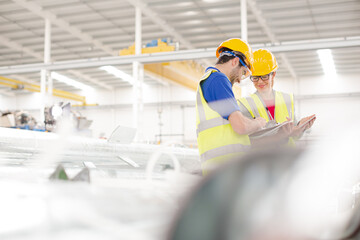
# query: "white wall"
176,120
328,100
332,111
7,102
31,102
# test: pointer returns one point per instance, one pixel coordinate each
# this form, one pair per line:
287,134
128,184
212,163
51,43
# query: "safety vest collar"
277,95
212,69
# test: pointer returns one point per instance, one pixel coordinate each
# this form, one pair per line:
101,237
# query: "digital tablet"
306,122
268,131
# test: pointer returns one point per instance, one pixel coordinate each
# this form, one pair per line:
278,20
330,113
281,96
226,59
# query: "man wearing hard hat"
222,130
274,106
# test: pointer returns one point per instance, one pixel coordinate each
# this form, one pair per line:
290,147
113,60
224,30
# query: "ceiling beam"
18,47
160,22
64,25
262,21
90,79
147,11
23,79
180,55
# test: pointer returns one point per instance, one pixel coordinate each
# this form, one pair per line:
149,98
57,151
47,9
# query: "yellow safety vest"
217,141
284,107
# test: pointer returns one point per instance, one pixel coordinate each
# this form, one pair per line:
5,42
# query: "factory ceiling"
83,29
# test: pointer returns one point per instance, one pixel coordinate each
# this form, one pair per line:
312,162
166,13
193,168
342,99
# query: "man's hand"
243,125
261,122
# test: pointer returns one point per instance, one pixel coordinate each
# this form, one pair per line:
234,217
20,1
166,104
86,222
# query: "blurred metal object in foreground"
274,194
222,206
131,195
49,149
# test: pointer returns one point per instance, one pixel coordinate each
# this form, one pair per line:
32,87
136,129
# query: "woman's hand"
286,130
300,128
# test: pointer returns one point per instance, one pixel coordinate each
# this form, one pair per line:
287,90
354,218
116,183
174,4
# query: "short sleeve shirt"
217,90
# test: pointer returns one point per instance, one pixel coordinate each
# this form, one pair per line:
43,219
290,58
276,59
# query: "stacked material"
100,190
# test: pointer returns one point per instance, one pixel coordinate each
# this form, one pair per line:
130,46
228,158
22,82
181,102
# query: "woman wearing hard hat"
273,106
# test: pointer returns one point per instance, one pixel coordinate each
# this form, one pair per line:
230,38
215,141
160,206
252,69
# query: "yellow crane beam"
185,73
16,84
178,72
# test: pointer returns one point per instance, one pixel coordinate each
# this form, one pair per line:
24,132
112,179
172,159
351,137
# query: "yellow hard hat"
236,44
264,62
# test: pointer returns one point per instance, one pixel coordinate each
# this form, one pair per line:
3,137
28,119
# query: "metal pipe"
179,55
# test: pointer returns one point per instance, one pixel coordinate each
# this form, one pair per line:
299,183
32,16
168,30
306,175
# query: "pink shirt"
270,105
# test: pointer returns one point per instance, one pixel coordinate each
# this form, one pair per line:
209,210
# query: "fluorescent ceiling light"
118,73
193,22
184,4
191,13
70,81
327,61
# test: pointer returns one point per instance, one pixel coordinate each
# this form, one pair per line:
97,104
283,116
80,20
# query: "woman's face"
263,85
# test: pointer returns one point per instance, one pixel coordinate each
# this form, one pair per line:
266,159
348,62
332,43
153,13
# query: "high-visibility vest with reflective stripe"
284,107
217,141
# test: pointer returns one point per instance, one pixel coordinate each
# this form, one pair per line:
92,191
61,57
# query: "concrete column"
244,30
45,75
137,76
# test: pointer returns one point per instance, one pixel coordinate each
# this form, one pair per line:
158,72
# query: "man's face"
237,74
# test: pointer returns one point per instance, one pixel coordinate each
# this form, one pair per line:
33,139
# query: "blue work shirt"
217,91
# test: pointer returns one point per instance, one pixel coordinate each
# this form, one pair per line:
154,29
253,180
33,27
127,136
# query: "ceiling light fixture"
327,61
70,81
191,13
118,73
211,1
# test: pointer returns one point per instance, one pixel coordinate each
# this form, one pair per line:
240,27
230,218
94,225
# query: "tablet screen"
306,122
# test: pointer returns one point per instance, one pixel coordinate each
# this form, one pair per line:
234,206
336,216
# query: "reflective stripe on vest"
214,122
244,107
224,150
289,104
216,138
284,107
253,106
201,110
281,99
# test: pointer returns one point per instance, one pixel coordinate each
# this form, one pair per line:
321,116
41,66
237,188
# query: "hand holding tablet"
312,117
